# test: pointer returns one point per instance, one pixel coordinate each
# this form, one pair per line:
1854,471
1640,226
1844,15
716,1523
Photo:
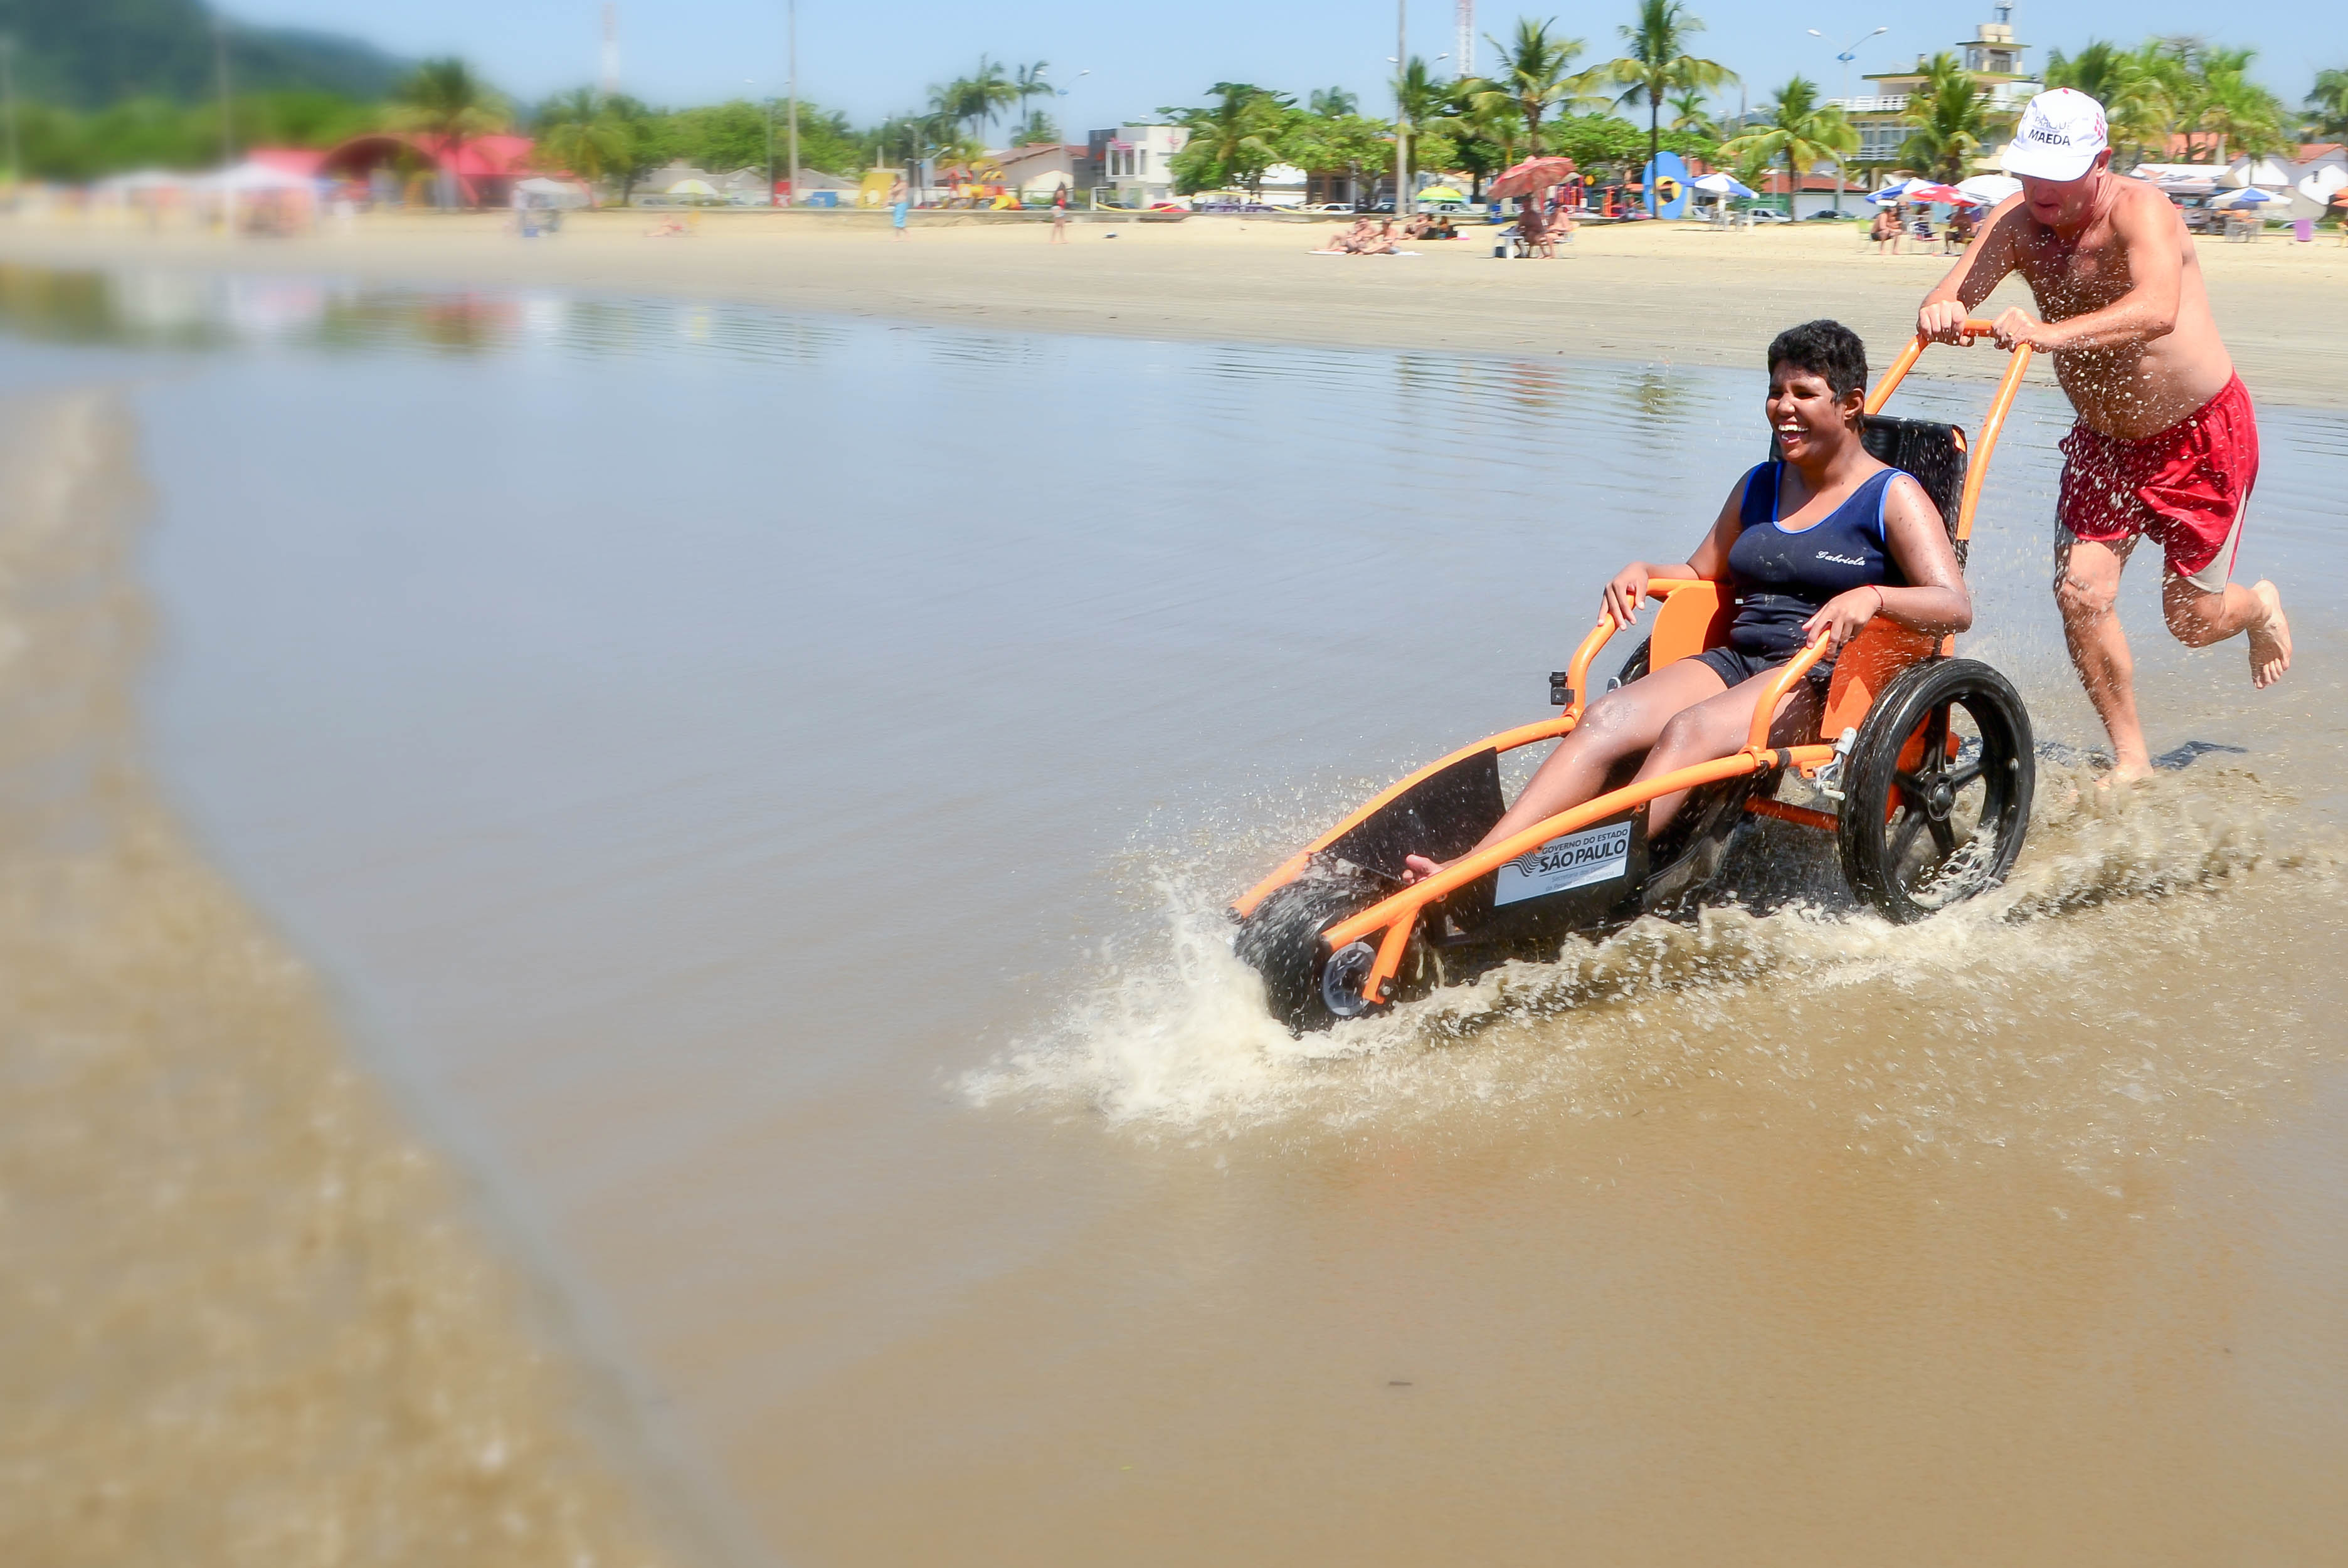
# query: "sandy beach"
1650,292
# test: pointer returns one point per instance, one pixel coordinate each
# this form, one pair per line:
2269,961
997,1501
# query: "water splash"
1170,1031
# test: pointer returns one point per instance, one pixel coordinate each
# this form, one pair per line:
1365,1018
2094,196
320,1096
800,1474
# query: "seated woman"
1820,540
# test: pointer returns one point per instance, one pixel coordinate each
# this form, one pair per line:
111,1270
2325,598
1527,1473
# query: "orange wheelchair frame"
1695,614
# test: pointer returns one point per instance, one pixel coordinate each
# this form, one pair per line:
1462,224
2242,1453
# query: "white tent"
255,179
553,193
1989,189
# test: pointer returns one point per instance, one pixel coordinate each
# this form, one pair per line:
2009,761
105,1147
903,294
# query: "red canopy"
1532,174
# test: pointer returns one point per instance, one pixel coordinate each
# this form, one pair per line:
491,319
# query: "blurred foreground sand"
244,1319
1653,292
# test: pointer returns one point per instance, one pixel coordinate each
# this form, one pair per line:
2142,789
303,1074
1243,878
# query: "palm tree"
2236,109
1239,133
1532,74
443,99
1037,127
990,92
2136,106
594,149
1801,130
1951,120
1485,127
1690,114
1421,100
1029,81
1331,102
1658,62
2327,104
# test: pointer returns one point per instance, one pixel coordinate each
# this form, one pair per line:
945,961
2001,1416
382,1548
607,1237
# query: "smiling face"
1810,421
2064,203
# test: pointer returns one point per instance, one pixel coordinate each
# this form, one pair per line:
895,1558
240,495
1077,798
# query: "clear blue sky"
874,56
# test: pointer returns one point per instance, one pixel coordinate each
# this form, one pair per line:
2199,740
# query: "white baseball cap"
2060,134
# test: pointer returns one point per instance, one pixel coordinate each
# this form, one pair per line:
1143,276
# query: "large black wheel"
1282,942
1922,832
1685,861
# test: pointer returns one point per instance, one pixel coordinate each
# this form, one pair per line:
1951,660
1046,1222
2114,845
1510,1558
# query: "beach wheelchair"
1924,775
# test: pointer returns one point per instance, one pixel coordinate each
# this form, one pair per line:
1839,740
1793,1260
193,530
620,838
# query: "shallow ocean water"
763,788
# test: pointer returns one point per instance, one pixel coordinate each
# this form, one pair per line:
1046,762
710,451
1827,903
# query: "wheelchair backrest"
1932,452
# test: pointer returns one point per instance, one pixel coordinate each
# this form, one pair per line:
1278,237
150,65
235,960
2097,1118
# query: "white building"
1133,164
1992,56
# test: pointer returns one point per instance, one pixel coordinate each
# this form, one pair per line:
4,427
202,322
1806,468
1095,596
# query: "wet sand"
245,1318
1649,293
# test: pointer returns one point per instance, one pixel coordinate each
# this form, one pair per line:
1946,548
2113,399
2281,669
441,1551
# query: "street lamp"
793,39
1849,52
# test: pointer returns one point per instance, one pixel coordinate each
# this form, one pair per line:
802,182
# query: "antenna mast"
1463,51
611,49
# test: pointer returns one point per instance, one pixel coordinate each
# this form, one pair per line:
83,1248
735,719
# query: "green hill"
90,53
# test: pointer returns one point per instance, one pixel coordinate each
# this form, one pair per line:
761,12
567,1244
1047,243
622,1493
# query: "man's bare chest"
2072,280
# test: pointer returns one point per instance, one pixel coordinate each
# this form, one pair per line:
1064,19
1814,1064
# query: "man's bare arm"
2156,263
1974,277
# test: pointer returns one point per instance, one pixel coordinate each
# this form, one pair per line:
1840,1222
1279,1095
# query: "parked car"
1830,216
1452,208
1384,206
1331,207
1769,215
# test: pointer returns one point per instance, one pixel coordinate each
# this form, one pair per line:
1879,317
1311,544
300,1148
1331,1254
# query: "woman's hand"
1842,616
1626,593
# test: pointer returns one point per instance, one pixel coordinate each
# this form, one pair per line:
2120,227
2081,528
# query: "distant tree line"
1534,102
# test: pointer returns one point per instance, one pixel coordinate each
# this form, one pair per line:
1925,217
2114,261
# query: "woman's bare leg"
1718,728
1622,723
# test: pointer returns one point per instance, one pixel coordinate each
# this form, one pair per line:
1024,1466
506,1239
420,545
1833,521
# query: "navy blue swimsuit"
1781,578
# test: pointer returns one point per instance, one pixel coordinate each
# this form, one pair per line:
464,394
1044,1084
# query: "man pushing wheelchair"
2167,445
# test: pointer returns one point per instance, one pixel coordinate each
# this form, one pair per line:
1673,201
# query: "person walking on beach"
1060,216
900,199
2166,443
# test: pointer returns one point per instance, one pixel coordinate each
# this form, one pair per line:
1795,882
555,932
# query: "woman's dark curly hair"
1824,348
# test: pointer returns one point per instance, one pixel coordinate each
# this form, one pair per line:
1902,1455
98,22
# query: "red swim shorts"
2185,487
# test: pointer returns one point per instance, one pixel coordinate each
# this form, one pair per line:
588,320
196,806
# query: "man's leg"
2198,617
2087,591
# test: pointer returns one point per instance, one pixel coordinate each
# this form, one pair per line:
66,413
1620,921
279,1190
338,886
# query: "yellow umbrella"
1440,193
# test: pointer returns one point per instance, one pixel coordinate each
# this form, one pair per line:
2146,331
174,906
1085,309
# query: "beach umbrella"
2253,196
1440,193
693,188
1896,191
1719,184
1946,195
1533,174
1989,189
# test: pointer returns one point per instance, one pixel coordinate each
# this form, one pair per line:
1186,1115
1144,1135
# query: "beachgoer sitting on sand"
1348,242
1819,541
1381,243
1885,231
1444,228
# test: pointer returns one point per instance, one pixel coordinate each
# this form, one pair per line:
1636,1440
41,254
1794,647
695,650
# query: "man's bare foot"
1418,869
2130,773
2270,640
